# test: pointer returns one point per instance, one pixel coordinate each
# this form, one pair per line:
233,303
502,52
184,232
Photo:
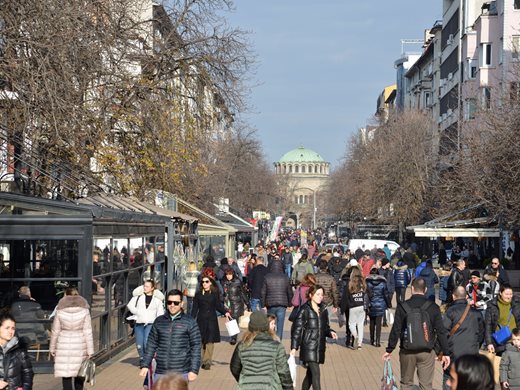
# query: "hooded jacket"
276,290
431,279
510,367
401,275
234,296
137,306
71,339
378,295
16,369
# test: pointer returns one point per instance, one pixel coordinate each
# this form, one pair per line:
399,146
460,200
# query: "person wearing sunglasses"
206,303
174,340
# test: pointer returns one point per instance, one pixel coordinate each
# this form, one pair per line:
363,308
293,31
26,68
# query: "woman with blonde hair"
259,361
71,340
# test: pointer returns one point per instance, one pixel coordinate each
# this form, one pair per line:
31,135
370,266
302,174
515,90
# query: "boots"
378,343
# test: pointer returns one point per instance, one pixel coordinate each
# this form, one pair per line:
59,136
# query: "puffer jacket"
388,274
431,279
137,306
177,343
309,332
378,295
401,275
235,297
491,321
71,339
330,290
510,367
276,290
261,365
16,369
443,285
455,279
302,268
470,335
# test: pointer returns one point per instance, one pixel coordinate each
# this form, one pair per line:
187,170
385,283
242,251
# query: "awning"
429,231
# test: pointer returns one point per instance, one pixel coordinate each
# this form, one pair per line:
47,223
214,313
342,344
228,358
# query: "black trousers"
375,327
400,294
78,383
312,377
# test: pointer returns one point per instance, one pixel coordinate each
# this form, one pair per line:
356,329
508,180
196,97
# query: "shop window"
515,47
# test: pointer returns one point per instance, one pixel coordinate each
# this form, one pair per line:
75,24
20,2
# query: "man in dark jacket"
423,361
287,259
255,281
175,341
456,278
496,267
277,294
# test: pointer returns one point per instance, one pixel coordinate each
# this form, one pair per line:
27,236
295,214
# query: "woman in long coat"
205,305
71,340
308,333
234,297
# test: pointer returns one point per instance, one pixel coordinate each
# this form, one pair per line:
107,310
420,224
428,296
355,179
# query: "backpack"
418,333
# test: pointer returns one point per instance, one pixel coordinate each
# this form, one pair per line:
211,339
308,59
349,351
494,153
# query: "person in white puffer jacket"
146,305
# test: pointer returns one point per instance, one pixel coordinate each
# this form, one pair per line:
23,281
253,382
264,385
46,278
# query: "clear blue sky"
322,65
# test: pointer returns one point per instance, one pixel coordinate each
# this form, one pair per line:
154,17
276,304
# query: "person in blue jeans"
255,281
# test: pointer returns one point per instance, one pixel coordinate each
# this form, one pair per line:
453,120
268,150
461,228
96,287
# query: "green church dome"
301,154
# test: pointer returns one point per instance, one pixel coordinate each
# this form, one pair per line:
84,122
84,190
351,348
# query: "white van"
366,244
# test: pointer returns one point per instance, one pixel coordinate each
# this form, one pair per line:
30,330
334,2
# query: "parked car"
355,243
333,246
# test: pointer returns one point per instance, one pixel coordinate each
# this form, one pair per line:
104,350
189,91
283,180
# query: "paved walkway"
343,368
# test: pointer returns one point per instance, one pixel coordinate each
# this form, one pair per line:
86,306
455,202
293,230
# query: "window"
471,108
486,97
427,99
472,69
296,169
296,199
485,54
515,47
290,168
301,199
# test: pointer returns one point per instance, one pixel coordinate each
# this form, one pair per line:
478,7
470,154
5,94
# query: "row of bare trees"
127,96
395,174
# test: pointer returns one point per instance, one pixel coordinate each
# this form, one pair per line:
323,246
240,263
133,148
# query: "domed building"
303,173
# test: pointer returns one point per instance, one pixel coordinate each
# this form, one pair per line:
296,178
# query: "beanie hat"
385,261
258,322
476,273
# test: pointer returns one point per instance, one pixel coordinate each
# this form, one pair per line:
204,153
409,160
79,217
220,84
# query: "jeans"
312,377
141,337
279,312
78,383
255,304
288,270
189,305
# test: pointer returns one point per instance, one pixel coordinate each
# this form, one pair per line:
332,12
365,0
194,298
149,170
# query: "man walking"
498,269
277,294
175,342
418,322
456,278
479,293
255,281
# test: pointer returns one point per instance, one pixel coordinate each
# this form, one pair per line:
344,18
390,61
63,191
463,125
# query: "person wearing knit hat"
479,292
259,361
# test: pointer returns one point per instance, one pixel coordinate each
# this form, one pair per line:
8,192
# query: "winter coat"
71,339
301,269
351,300
330,290
235,297
470,335
204,310
431,279
482,292
401,275
300,295
276,290
378,295
287,258
388,274
336,267
16,369
261,365
191,282
510,367
491,320
26,312
255,280
443,285
137,306
455,279
309,332
175,343
503,277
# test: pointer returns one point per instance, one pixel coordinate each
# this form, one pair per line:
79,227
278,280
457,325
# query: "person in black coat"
308,333
431,279
456,278
174,341
255,281
16,369
206,303
234,297
378,303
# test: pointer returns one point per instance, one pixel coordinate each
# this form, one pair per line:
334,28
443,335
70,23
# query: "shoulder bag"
461,320
87,370
296,310
502,335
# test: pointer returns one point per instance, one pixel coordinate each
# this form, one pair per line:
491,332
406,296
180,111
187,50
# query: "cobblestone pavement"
343,368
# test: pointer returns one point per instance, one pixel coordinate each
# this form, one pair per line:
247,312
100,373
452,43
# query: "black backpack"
418,334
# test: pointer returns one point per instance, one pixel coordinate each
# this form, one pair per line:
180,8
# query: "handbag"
296,310
388,381
87,370
292,368
503,335
232,328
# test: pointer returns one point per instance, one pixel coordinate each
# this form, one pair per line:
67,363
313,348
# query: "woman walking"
356,302
146,304
205,305
300,294
259,361
16,371
308,333
191,283
504,310
71,340
378,296
234,297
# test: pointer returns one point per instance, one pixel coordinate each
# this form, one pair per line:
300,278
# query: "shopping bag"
389,315
388,382
292,368
495,361
87,370
232,328
243,321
